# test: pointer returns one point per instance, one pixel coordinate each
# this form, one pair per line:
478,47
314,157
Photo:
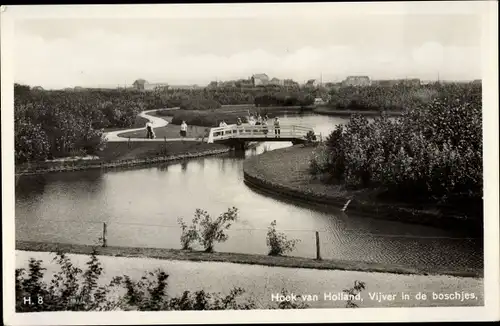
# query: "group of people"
150,133
251,119
257,120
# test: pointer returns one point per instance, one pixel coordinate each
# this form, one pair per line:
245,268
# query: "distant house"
277,82
477,81
357,81
143,85
312,83
260,79
140,84
290,83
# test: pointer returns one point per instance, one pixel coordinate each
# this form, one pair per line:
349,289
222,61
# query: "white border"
487,9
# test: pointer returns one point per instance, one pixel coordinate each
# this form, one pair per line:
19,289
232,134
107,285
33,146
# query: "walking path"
262,282
114,136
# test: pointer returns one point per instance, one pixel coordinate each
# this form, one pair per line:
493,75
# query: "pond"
141,207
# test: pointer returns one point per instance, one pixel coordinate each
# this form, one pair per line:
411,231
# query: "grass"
275,261
285,172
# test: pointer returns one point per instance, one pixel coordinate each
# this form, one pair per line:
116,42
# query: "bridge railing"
257,131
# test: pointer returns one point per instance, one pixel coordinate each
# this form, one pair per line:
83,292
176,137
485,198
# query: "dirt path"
157,122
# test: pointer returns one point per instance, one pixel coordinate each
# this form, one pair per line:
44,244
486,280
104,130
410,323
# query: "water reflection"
184,165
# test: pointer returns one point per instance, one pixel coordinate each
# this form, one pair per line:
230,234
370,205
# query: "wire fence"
399,249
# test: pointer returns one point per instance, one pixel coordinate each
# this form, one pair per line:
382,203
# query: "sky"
93,52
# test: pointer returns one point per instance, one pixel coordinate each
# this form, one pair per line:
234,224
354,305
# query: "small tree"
277,241
213,231
206,230
189,235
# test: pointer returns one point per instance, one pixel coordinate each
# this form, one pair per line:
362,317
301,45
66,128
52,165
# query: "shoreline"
347,113
261,175
80,165
237,258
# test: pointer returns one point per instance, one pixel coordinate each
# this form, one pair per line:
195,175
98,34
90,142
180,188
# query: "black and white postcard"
229,163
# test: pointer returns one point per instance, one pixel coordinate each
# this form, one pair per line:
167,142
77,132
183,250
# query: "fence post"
104,231
318,251
128,142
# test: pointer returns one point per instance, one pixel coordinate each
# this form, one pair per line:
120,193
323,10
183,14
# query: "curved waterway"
141,206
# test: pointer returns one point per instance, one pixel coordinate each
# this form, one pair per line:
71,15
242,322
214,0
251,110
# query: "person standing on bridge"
184,128
277,128
259,120
264,127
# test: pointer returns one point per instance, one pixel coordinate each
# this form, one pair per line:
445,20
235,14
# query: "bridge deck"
259,133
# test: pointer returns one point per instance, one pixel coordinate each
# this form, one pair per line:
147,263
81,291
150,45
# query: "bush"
381,98
72,289
432,152
206,230
277,242
188,235
311,137
199,104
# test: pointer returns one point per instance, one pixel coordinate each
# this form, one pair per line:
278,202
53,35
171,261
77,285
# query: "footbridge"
258,133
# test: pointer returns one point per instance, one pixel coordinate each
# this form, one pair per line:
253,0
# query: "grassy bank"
123,153
341,113
285,172
274,261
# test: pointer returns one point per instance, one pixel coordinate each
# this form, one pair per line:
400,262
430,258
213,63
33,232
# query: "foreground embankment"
262,283
285,172
124,154
281,261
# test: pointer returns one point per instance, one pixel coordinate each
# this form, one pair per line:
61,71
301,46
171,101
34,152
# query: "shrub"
311,137
71,289
206,230
277,242
432,152
188,235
